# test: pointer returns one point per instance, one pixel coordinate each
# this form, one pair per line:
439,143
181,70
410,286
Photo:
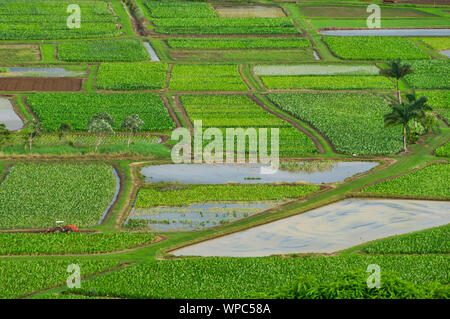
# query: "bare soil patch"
40,84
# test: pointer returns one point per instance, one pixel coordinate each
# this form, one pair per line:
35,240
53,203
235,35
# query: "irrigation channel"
336,171
8,116
151,52
387,32
327,229
446,53
116,194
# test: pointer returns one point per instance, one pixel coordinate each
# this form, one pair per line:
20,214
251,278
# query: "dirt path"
247,82
171,112
316,141
183,113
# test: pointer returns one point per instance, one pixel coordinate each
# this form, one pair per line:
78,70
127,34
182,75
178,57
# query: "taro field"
197,149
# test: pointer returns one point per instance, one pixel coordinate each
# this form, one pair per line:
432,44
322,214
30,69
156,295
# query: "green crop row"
103,51
37,195
430,182
248,43
131,76
72,243
76,109
206,78
332,82
245,277
35,20
436,43
232,111
430,75
353,122
178,9
430,241
158,195
22,277
374,48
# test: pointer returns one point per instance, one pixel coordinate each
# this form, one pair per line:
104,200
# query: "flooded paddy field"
8,116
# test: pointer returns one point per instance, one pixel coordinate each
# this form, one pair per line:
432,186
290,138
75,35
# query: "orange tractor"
62,229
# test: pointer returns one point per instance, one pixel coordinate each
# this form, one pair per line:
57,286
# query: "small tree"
64,129
100,125
34,130
401,114
132,123
5,135
397,70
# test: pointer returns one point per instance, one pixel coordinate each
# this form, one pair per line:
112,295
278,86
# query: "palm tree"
420,104
100,124
402,114
397,70
132,123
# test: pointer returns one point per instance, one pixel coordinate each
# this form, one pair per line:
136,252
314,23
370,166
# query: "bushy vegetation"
206,78
436,43
374,48
430,241
103,51
76,109
16,279
177,195
247,43
47,20
245,277
430,75
72,243
353,285
331,82
131,76
432,181
36,195
444,150
353,122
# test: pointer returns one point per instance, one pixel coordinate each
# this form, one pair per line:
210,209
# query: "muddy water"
8,116
151,52
39,72
388,32
116,194
249,12
249,173
316,55
198,216
446,53
328,229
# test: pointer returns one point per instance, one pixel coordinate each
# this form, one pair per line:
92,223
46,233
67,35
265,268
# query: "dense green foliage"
436,43
353,285
332,82
430,241
163,195
425,75
36,195
352,122
374,48
236,43
178,9
76,109
444,150
47,19
103,51
21,277
244,277
72,243
430,182
228,111
206,78
131,76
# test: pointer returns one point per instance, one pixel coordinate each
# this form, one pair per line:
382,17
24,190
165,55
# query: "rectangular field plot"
359,12
248,43
317,69
330,82
76,109
131,76
40,84
385,23
240,111
35,195
200,18
36,20
13,53
206,78
353,122
430,75
103,51
374,48
436,43
250,12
